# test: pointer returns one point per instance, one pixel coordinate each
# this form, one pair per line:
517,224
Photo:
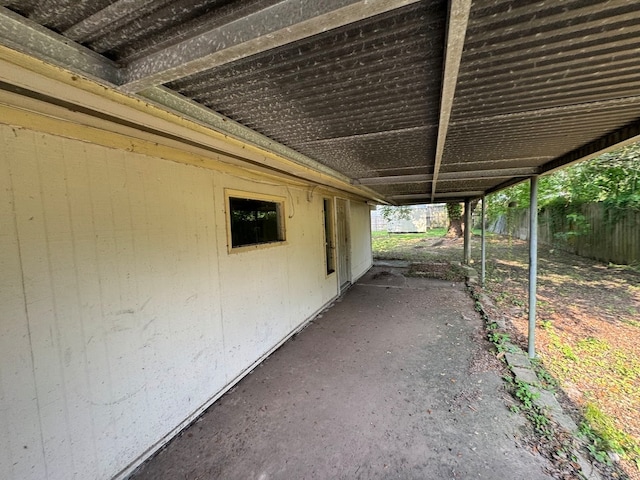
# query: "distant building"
423,218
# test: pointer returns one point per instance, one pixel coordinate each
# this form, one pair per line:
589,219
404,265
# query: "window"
328,236
255,221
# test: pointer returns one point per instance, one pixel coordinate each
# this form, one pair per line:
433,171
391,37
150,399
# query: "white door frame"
343,263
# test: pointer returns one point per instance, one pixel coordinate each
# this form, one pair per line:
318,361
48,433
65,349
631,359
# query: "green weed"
499,339
524,394
564,348
545,324
547,380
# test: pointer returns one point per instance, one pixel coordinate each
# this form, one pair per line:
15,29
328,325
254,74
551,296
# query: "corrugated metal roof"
393,94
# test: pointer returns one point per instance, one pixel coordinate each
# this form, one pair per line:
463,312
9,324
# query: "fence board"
610,237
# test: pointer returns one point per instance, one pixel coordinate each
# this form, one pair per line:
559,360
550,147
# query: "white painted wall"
360,232
121,312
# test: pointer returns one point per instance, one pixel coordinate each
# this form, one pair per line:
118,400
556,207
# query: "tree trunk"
454,212
455,228
456,218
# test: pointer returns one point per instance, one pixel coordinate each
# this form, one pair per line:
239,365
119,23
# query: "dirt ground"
588,318
588,327
395,380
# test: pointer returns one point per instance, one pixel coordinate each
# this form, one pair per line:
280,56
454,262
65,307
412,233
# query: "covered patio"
405,101
130,129
395,380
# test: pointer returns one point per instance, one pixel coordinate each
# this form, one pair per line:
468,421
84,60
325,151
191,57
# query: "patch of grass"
593,346
563,348
545,324
633,323
431,233
404,246
603,435
595,444
518,302
611,372
416,247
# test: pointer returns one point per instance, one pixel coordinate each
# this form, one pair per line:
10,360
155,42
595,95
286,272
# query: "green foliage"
523,392
454,210
500,340
612,178
547,380
609,369
574,224
390,212
595,444
602,435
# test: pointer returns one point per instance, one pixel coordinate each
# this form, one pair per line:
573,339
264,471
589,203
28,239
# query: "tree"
454,212
612,178
391,212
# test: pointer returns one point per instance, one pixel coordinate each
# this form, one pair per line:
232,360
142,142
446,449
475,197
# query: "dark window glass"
254,222
328,236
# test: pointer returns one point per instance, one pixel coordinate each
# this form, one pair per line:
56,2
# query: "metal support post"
533,263
483,244
467,232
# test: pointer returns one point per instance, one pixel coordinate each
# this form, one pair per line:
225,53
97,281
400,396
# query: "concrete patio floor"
393,381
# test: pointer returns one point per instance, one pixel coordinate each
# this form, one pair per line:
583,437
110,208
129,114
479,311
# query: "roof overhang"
404,101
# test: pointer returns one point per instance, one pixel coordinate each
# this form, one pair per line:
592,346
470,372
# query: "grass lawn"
417,246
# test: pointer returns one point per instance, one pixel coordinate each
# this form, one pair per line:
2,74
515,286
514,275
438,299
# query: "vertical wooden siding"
121,311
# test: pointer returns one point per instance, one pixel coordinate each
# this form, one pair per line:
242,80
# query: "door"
342,240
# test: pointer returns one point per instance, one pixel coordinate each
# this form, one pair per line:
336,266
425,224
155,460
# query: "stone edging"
520,365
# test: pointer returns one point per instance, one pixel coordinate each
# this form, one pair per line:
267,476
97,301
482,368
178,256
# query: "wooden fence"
595,232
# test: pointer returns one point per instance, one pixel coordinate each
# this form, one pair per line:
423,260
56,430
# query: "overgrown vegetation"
603,437
607,371
588,208
612,178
